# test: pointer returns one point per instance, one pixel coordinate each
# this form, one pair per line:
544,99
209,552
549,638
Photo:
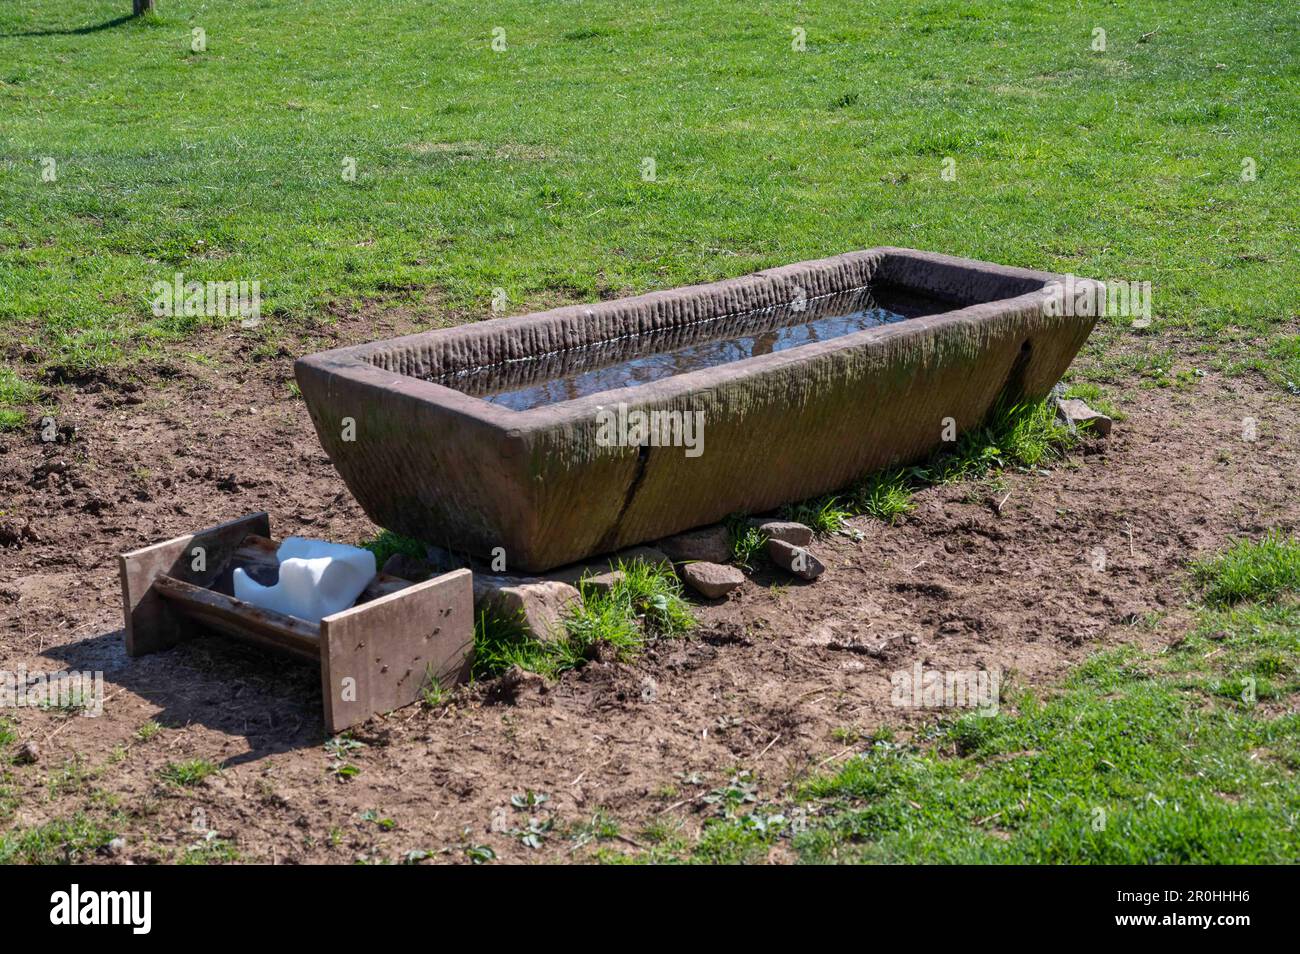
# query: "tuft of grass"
387,543
885,495
14,392
433,693
187,774
652,594
825,515
1026,434
747,543
1250,571
148,731
501,643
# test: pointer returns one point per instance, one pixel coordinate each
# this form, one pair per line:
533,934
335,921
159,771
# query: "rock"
795,559
711,580
710,545
795,534
27,754
1075,412
408,568
116,846
539,605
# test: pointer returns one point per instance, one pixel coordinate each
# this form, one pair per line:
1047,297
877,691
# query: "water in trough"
709,342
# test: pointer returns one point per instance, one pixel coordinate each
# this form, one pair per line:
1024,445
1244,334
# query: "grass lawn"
523,169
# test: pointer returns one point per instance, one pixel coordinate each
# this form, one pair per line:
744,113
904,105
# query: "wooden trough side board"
377,656
381,655
151,624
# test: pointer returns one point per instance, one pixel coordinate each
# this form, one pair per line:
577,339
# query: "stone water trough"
521,433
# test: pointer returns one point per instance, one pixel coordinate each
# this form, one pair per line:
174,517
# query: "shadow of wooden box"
379,655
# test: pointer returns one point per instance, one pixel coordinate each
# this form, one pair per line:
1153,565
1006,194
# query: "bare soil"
992,574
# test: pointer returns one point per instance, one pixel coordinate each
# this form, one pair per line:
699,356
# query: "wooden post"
143,6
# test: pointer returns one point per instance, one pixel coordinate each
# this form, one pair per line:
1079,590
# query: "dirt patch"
777,680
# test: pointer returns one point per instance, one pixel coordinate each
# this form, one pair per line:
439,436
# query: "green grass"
747,542
68,840
1249,571
227,164
386,544
187,774
825,515
885,495
645,604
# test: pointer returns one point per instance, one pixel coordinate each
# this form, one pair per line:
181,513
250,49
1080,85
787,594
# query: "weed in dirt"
825,515
380,821
747,542
599,827
343,744
149,730
433,694
187,774
885,495
1249,571
528,800
343,771
211,849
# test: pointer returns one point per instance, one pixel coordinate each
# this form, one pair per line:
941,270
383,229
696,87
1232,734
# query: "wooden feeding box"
379,655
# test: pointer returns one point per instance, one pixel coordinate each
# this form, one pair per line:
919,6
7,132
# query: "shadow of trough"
272,702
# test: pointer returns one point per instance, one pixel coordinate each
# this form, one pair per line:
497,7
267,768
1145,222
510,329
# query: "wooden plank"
153,625
379,656
232,617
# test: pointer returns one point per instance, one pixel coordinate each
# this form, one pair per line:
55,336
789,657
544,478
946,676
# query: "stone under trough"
529,433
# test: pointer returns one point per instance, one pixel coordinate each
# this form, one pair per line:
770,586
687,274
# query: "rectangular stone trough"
522,433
